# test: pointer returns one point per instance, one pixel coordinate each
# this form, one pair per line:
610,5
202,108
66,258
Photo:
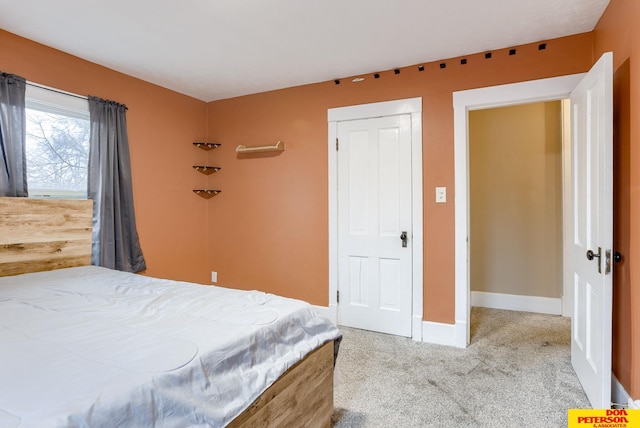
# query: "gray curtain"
115,237
13,161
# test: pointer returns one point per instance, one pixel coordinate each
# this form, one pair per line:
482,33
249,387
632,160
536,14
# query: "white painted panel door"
592,139
374,209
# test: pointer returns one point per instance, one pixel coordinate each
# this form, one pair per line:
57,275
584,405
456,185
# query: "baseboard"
512,302
425,331
327,312
444,334
619,395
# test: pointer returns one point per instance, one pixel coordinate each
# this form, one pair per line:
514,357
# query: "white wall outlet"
214,276
441,195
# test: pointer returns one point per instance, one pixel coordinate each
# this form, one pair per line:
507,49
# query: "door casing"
412,106
555,88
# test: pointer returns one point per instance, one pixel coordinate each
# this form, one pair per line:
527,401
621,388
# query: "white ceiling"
215,49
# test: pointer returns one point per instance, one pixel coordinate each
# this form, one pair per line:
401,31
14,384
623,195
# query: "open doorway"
556,88
516,207
588,198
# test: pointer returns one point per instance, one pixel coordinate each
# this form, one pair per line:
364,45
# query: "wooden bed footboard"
302,397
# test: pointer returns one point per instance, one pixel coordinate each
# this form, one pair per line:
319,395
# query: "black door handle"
591,254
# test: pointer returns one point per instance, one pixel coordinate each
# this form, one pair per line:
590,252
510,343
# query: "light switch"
441,195
214,276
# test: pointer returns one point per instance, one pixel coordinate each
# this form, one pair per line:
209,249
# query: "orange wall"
269,227
618,31
162,124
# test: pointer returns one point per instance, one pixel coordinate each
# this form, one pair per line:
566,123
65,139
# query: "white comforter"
93,347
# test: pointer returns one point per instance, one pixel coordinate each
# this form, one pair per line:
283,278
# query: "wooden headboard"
44,234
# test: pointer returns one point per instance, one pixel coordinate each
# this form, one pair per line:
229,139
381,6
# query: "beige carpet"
516,373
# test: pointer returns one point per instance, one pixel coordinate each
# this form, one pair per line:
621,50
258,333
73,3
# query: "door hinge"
336,144
338,297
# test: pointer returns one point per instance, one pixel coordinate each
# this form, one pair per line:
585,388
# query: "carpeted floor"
515,373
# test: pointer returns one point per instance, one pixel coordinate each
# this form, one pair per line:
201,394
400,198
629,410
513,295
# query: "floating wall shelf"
279,146
206,193
206,169
207,146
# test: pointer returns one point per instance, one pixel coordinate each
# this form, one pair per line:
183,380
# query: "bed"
82,345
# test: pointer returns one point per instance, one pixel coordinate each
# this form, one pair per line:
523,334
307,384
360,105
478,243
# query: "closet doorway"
587,201
516,207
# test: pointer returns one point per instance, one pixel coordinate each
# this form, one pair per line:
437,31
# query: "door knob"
403,236
591,255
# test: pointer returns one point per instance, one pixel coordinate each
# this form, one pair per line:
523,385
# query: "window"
57,144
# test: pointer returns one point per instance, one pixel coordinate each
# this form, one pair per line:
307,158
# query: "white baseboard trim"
512,302
618,393
444,334
327,312
425,331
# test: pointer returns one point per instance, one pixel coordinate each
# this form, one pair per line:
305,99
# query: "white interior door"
374,211
592,123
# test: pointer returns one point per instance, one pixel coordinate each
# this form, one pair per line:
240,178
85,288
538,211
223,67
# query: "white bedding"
93,347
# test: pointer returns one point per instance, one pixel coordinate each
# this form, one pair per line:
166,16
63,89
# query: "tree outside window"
57,154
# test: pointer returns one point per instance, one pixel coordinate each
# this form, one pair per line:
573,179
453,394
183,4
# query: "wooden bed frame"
47,234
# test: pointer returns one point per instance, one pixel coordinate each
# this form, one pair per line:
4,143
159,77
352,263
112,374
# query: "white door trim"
554,88
412,106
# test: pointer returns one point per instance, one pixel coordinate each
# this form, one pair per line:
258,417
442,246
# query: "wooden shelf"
207,146
206,193
205,169
279,146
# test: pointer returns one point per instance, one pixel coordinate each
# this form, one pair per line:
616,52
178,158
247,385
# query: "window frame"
50,100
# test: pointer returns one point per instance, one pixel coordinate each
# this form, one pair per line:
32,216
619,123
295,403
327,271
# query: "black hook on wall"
463,61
